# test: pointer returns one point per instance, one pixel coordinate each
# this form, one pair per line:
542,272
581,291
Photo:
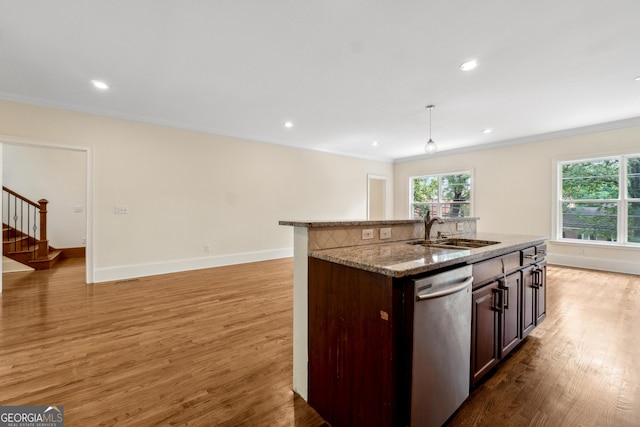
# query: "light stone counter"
400,259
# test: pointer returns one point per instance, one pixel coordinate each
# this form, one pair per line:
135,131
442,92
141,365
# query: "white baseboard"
151,269
594,263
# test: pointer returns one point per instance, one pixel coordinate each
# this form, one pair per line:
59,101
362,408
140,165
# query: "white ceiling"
345,72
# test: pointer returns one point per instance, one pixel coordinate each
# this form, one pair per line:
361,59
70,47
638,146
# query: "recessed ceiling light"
469,65
487,130
375,143
288,124
638,79
99,84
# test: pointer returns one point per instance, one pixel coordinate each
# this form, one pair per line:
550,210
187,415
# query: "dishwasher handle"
430,293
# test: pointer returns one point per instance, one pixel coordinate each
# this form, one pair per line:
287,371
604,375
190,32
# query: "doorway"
376,197
58,159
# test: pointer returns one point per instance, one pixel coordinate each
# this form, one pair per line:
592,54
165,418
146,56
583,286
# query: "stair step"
21,256
17,244
28,257
46,263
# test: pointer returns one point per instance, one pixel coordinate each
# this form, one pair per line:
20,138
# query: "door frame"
385,198
39,143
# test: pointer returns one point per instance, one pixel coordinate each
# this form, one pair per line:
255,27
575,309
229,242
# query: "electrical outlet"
385,233
367,234
207,247
121,210
460,226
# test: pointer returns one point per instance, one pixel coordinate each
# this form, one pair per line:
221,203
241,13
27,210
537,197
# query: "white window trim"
556,201
470,171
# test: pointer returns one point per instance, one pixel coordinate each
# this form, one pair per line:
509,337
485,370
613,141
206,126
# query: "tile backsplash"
342,236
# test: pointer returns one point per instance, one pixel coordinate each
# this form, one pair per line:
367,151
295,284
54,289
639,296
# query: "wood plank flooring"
213,347
203,348
580,367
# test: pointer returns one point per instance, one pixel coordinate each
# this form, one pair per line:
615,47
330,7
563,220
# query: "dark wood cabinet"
540,286
528,300
534,296
485,326
361,326
495,324
511,288
509,301
358,365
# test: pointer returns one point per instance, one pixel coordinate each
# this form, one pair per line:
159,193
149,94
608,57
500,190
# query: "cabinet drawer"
490,269
528,256
541,251
533,254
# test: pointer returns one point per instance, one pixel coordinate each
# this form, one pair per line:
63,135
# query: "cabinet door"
510,322
541,291
528,301
487,304
351,345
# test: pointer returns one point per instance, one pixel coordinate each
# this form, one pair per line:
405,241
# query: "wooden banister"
21,197
43,243
41,206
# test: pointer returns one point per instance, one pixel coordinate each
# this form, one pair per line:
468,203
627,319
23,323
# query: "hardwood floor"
202,348
580,367
213,347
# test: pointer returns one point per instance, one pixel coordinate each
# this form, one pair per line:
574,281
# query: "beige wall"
513,190
58,176
188,189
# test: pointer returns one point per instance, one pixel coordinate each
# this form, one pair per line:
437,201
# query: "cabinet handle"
505,290
536,278
539,277
531,256
542,251
505,299
499,294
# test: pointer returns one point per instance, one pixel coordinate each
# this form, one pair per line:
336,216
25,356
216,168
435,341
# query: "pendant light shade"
430,147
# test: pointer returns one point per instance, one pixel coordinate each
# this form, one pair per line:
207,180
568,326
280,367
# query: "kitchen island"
362,313
403,258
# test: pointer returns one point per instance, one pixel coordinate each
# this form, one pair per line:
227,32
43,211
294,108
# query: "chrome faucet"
428,223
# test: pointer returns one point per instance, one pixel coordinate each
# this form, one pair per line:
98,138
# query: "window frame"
622,202
440,202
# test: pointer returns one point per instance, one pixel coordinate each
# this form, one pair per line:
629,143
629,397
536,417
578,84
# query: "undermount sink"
455,243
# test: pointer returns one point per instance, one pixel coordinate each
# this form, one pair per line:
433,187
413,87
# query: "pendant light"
430,146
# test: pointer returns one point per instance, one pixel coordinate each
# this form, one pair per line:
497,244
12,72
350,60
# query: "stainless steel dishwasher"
441,346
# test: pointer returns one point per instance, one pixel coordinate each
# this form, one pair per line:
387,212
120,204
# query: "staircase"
24,231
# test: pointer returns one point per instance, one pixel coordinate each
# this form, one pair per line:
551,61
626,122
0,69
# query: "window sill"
599,244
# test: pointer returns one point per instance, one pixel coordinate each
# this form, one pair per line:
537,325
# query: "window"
599,200
444,195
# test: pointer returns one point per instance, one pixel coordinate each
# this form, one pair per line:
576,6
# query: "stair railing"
24,218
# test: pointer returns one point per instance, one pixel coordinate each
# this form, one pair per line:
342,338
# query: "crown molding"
600,127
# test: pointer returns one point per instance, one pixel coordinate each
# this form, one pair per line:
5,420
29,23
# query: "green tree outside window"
445,195
597,195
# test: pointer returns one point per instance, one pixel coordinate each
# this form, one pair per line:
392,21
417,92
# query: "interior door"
376,197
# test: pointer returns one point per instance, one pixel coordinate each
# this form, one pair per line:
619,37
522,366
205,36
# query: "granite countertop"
400,259
362,222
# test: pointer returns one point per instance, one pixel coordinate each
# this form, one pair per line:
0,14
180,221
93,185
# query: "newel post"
43,243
